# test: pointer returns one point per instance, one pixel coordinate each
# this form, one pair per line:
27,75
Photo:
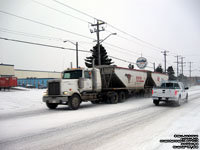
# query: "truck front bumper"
57,99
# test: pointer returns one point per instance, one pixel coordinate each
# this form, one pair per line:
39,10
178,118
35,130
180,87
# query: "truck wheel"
74,102
51,105
179,101
122,96
113,98
156,102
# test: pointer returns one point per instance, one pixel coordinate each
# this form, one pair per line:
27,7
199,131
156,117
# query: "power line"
75,9
141,44
61,12
58,47
57,39
37,22
40,44
29,34
132,36
149,44
128,34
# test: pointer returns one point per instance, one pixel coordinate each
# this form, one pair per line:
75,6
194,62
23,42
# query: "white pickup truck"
170,91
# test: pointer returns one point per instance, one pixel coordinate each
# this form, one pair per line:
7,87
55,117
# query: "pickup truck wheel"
156,102
179,101
186,99
51,105
74,102
122,96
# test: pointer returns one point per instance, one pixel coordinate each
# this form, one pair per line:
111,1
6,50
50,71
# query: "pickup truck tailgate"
163,93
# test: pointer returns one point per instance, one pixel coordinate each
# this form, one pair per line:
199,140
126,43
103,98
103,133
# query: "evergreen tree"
171,73
159,69
104,57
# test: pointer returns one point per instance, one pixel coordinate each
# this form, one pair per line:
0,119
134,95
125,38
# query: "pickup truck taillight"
176,92
152,92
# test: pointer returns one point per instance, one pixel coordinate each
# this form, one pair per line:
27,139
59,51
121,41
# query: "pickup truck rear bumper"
55,99
165,98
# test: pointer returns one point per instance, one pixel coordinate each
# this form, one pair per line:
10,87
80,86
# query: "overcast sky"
172,25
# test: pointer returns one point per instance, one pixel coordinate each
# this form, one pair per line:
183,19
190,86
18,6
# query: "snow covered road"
26,123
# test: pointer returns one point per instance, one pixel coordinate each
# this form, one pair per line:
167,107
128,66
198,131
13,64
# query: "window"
76,74
176,86
170,85
87,74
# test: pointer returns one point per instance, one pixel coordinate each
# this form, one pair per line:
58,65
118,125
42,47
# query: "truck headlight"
45,93
65,93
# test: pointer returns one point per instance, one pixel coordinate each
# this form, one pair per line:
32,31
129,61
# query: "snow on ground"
25,100
20,99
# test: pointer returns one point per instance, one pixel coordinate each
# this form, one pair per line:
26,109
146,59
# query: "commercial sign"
141,62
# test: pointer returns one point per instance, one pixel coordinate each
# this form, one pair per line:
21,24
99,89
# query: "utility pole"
190,71
182,64
165,61
154,66
97,30
177,64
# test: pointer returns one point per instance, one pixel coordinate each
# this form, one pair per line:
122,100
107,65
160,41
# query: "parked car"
30,86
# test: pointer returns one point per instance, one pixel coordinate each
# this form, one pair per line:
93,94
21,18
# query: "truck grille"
54,88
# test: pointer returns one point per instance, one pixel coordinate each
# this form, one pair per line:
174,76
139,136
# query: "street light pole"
107,37
76,44
76,54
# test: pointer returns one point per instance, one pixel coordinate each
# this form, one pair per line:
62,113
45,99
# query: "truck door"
87,80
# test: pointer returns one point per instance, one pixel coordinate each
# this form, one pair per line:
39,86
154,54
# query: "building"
29,78
6,70
35,78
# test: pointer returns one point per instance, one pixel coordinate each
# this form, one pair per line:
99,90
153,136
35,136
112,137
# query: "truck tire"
113,98
51,105
74,102
186,99
122,96
156,102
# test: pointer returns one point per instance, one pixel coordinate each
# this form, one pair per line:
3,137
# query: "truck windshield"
76,74
170,85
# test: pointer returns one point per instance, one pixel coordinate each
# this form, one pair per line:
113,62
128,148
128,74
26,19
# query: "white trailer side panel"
159,78
131,78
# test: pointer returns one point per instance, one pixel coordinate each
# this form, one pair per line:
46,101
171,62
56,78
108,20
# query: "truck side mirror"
81,83
186,88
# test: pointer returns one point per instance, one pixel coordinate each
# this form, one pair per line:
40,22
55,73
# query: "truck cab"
75,86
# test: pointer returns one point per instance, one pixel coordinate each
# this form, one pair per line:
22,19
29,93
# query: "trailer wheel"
122,96
113,98
51,105
156,102
74,102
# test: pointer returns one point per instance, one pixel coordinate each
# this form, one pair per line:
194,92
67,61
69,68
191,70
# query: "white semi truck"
106,83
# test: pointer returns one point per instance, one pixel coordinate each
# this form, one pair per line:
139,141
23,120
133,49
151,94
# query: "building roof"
36,71
6,64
